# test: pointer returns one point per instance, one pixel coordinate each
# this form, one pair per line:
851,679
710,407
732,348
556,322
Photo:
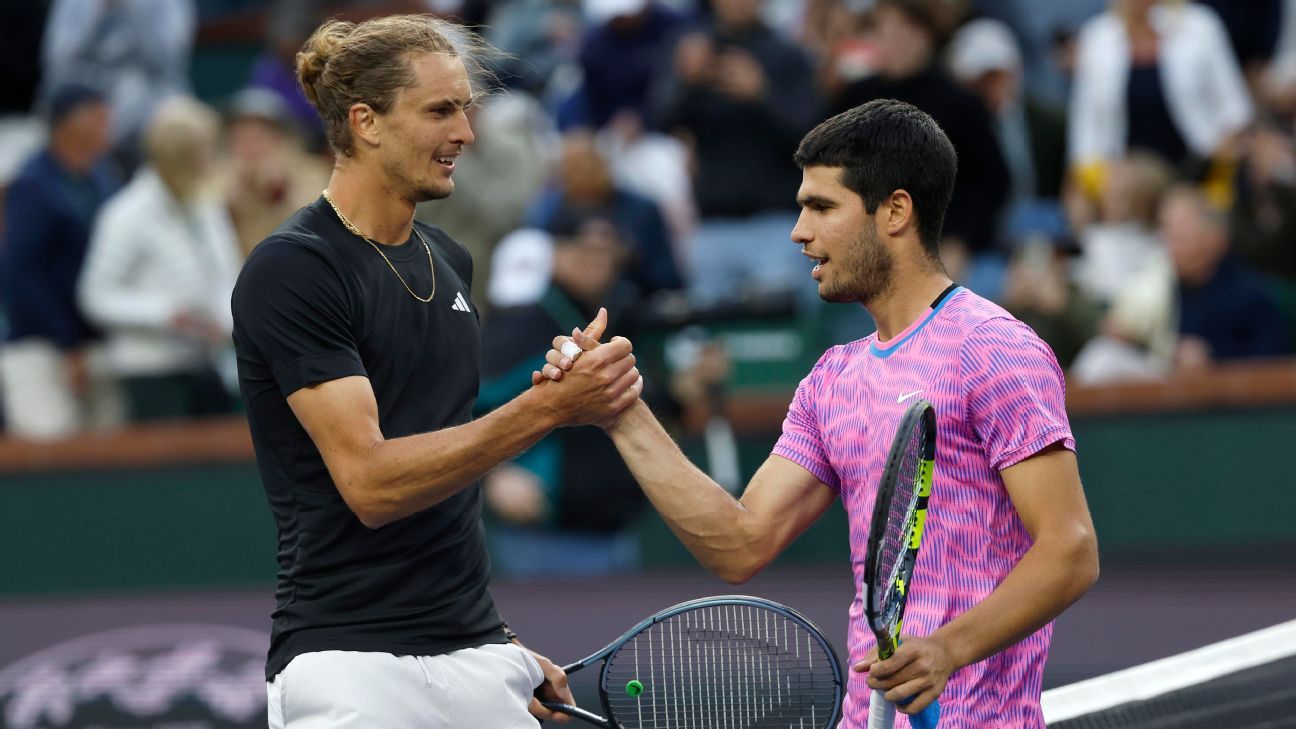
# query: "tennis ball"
634,688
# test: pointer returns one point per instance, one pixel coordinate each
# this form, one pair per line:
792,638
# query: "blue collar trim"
891,347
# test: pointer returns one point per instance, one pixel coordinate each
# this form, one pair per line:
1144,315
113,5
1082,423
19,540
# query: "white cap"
983,46
521,268
601,11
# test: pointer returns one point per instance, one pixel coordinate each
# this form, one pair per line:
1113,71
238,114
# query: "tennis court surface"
1131,617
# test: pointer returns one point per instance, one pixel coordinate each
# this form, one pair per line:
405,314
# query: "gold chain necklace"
356,231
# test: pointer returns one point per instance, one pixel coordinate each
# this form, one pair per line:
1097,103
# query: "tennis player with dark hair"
1009,543
358,355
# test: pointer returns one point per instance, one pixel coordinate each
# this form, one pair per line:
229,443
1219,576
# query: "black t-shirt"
316,303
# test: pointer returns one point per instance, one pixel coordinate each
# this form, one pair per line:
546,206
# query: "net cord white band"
1169,674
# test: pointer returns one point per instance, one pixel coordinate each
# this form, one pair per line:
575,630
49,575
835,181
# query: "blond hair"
179,142
1150,178
343,64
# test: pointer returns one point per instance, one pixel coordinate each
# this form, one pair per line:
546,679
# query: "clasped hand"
602,385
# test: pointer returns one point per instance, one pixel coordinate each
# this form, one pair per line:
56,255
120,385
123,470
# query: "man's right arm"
732,538
383,480
292,316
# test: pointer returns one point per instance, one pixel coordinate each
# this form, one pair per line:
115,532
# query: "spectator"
1137,337
1038,292
619,55
1204,306
1262,221
1155,75
566,503
542,39
985,57
1224,310
51,369
742,95
138,50
836,34
585,188
1118,238
497,176
161,268
908,34
271,174
654,165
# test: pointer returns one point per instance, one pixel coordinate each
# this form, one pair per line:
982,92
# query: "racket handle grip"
928,718
881,712
577,712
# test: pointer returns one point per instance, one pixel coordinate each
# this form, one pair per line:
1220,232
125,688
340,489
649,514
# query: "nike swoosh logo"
907,395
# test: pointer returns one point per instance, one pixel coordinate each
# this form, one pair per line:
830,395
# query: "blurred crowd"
1126,185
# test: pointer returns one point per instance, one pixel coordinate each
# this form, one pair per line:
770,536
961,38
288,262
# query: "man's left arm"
1060,567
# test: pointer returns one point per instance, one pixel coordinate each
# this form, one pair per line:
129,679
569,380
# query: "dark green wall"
1217,485
1214,486
1166,488
101,531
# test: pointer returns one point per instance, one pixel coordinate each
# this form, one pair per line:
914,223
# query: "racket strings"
900,521
723,666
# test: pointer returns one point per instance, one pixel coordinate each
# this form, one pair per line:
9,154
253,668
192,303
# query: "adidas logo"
460,303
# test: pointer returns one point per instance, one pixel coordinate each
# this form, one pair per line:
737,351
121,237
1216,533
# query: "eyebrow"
458,103
810,200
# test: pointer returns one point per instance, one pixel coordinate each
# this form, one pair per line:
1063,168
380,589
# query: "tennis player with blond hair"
358,360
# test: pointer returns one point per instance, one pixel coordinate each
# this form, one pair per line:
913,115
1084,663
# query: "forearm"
1052,575
719,530
404,476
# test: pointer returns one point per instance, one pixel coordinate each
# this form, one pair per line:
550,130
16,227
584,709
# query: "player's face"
840,237
427,127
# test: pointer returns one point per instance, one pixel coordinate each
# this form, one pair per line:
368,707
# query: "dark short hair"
887,145
68,98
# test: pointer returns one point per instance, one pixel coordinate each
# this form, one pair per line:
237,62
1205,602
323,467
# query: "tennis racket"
729,661
896,532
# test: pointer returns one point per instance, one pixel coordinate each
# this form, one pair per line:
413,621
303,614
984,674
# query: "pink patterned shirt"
1000,398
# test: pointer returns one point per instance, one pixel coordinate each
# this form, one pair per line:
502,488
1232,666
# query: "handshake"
601,387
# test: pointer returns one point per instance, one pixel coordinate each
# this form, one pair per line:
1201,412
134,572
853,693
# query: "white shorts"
475,688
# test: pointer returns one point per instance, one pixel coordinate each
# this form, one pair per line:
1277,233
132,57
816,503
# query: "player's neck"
367,199
908,300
